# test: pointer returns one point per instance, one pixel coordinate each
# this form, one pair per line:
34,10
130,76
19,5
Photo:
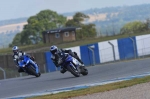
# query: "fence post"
133,46
92,49
3,72
113,50
44,68
20,74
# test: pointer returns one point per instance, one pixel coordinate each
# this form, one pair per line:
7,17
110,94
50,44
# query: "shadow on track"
58,79
30,77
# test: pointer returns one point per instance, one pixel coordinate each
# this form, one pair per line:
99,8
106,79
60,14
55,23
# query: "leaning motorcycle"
29,66
71,64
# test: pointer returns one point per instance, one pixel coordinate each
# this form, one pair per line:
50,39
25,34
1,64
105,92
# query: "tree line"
136,27
48,19
121,22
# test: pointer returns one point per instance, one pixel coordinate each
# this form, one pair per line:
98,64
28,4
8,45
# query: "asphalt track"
55,80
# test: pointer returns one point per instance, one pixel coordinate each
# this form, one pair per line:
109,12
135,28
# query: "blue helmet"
15,49
53,49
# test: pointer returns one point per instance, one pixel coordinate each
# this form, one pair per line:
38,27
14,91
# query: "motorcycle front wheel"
32,71
73,71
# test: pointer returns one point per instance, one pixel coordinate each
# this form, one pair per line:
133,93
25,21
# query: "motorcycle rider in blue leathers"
16,54
54,50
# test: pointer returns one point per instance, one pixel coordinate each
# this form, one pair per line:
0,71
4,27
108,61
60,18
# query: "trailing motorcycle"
29,66
71,64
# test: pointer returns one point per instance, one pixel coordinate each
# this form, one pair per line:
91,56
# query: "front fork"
35,66
75,67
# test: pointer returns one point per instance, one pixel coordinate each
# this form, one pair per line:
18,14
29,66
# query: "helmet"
15,49
53,49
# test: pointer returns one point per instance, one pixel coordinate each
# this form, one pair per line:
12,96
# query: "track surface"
29,84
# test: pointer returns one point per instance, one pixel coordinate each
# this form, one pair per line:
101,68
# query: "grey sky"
10,9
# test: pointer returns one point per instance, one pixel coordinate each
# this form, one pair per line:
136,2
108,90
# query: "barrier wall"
50,67
124,48
143,45
106,51
87,55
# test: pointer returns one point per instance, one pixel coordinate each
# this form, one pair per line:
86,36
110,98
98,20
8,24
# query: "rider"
16,54
54,50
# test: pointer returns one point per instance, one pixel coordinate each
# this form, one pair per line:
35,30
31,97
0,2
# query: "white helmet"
53,49
15,49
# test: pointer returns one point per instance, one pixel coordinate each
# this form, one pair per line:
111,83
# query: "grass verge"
95,89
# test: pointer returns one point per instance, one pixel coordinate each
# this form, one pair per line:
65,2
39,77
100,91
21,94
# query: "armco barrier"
126,48
143,46
86,54
49,64
106,53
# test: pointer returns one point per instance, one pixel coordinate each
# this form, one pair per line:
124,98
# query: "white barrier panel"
143,46
75,49
106,51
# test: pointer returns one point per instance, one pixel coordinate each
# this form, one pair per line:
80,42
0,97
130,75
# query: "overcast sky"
11,9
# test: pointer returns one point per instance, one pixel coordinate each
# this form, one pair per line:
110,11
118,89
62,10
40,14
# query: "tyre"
84,72
74,71
33,71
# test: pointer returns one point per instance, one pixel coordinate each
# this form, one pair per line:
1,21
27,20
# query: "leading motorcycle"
71,64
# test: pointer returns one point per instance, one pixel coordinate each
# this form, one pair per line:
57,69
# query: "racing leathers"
55,58
16,56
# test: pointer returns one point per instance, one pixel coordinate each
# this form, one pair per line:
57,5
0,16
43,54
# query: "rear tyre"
73,71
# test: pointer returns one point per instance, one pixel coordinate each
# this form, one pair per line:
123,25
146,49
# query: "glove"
32,58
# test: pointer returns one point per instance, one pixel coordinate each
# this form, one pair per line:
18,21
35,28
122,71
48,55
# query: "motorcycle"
29,66
71,64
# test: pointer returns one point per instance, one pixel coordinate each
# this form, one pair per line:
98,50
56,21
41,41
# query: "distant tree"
16,40
87,31
79,17
77,20
44,20
133,27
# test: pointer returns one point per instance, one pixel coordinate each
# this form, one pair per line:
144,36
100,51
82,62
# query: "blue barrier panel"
126,48
50,67
87,56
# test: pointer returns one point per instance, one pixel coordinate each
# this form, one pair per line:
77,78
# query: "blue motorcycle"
71,64
29,66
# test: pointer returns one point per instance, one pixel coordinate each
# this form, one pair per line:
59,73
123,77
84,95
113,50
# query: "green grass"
95,89
71,44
